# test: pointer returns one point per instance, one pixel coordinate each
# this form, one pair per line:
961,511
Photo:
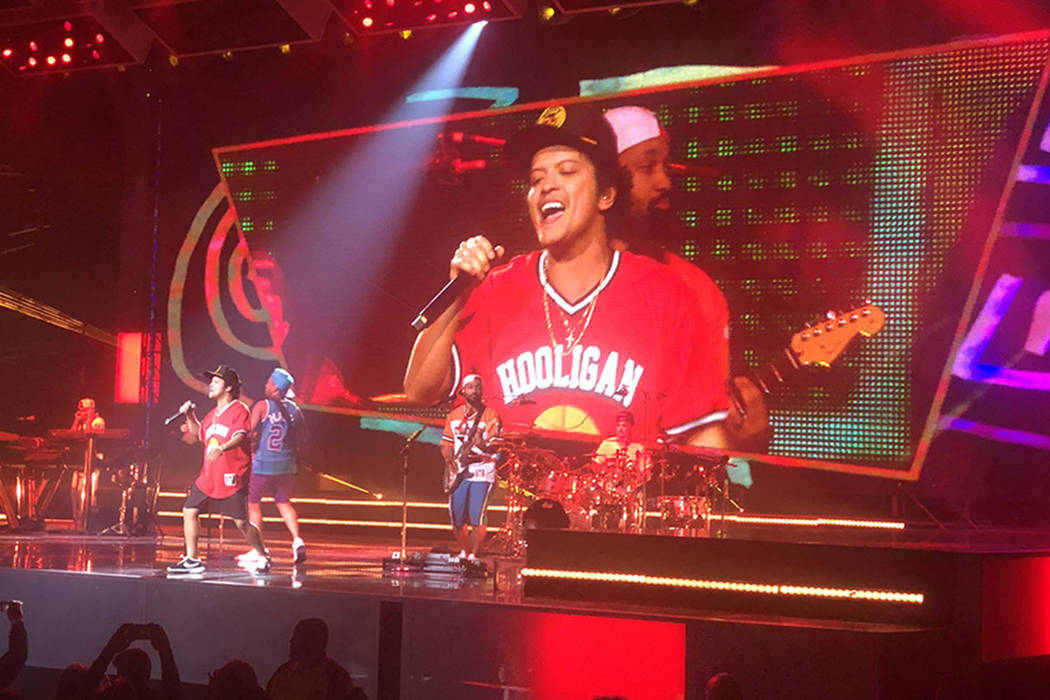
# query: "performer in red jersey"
644,153
223,481
568,336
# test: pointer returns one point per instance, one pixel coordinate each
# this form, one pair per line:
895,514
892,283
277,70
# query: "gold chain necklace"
573,336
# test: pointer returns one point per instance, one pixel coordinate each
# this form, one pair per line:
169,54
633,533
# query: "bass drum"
548,514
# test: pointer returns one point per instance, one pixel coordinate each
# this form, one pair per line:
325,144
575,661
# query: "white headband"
632,126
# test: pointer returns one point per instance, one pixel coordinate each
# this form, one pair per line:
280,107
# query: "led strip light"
733,586
816,521
347,502
326,521
811,522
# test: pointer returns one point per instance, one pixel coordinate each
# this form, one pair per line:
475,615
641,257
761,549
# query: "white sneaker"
298,551
260,566
248,557
254,560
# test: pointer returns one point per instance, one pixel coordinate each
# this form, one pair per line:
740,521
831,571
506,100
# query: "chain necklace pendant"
572,335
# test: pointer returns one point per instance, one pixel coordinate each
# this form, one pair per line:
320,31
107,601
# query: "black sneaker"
187,565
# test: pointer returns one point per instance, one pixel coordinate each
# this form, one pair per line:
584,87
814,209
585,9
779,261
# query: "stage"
511,636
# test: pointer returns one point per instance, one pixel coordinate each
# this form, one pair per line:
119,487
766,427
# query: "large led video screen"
798,191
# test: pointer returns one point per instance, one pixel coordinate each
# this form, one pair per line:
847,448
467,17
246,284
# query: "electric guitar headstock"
822,343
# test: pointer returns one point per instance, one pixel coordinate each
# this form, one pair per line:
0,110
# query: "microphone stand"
404,489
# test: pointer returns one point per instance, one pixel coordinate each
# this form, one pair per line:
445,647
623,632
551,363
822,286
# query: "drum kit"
625,490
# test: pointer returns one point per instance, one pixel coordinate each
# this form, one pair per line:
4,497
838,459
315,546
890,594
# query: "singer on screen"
569,336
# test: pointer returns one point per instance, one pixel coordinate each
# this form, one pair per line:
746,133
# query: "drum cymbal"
558,437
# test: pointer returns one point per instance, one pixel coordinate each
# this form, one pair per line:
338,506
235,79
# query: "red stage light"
66,58
95,55
68,42
51,60
100,39
128,384
68,26
32,46
7,53
371,16
31,61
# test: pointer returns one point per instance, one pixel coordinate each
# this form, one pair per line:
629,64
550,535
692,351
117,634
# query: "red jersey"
714,311
224,476
648,346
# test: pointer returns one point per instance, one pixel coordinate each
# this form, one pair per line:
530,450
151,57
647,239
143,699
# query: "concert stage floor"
443,637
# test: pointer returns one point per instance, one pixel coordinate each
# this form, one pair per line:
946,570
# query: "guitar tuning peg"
830,314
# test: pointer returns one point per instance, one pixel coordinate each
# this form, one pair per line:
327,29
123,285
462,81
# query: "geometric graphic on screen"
1000,377
903,175
804,190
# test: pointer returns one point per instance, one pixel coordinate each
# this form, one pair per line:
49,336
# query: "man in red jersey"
574,333
223,481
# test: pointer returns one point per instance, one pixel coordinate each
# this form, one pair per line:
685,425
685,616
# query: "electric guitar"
458,468
820,344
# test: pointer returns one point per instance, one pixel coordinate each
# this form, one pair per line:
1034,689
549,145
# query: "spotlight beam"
359,208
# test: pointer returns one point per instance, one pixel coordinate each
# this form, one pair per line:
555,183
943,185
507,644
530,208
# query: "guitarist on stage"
471,465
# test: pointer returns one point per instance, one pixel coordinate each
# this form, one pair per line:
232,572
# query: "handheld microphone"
442,300
413,436
171,419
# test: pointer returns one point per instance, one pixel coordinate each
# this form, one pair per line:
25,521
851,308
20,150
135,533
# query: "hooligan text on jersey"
587,369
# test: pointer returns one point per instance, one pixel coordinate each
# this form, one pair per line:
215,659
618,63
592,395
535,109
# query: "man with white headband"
644,153
471,465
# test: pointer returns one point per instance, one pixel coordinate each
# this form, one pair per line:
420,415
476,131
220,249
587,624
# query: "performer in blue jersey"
279,441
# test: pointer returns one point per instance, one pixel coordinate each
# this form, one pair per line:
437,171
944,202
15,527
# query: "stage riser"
569,656
429,649
939,576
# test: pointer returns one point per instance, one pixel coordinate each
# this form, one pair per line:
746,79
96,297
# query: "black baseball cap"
579,126
225,373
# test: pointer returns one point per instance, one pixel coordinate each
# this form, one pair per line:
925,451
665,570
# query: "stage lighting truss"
205,27
388,16
570,7
59,45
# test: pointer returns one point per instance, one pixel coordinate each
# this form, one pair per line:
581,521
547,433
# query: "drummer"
621,454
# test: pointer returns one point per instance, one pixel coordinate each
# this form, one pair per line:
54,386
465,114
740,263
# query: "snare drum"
576,486
689,512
